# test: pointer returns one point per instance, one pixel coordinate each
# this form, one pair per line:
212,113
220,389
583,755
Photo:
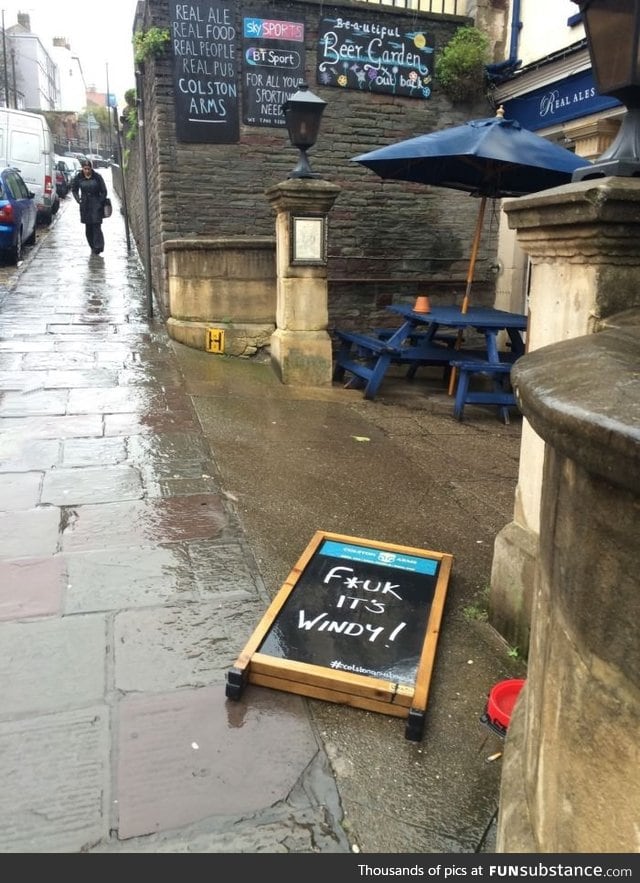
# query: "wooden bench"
368,357
501,395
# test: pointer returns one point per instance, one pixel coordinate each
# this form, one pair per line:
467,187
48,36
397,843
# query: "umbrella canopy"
492,157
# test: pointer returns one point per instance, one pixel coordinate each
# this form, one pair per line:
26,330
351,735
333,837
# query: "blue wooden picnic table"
427,339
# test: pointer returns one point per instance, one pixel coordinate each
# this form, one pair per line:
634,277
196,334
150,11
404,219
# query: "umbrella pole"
474,253
470,271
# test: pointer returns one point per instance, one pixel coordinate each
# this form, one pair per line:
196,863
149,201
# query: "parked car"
97,160
64,176
18,215
26,144
73,154
62,188
74,164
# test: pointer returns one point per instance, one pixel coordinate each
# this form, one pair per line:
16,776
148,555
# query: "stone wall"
228,284
387,240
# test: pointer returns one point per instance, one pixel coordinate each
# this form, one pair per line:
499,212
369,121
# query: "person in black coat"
90,191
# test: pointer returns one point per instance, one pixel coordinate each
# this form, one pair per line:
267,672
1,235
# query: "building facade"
37,80
545,83
386,239
73,87
40,78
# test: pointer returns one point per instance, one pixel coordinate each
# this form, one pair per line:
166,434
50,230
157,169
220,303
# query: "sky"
99,34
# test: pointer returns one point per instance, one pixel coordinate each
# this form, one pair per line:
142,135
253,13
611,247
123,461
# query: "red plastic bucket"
502,698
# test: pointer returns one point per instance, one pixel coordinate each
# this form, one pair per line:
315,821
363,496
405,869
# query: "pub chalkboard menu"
273,67
357,623
371,57
203,38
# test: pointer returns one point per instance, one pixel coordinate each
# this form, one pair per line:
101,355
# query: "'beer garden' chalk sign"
273,68
371,57
357,623
203,39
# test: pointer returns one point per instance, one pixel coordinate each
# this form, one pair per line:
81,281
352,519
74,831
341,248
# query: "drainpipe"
4,57
503,69
145,189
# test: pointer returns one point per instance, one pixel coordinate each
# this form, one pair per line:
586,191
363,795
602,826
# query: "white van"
26,144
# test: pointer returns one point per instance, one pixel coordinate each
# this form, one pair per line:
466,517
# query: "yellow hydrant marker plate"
215,340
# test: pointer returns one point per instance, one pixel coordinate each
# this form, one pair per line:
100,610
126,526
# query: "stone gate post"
584,243
301,350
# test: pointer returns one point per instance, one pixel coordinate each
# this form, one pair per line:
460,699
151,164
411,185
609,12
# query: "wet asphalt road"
152,499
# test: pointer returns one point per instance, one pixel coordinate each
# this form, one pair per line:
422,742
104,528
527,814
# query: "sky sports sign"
273,68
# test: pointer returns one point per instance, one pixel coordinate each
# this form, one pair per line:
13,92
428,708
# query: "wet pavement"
153,498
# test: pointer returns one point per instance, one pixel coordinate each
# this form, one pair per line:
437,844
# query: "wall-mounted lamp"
302,113
613,31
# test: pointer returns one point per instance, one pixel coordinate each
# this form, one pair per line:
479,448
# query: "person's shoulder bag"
107,208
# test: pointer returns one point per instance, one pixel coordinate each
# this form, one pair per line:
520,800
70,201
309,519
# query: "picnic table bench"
368,356
500,393
435,338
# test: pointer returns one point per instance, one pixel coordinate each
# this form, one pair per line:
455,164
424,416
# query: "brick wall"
387,240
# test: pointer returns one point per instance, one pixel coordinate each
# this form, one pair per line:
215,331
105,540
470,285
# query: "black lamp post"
613,33
302,113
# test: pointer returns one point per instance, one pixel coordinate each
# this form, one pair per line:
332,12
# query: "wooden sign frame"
343,573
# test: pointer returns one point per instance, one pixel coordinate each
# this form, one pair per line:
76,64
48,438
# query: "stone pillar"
571,773
591,136
301,350
584,243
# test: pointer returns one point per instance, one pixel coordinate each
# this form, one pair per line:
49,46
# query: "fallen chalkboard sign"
357,623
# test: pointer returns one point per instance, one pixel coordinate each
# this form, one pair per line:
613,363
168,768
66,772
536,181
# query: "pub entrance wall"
387,241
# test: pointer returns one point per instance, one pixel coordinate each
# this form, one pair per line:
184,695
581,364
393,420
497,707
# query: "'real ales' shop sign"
371,57
203,39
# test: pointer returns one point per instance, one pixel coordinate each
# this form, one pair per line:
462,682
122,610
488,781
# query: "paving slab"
32,587
180,760
52,664
124,578
187,645
91,484
55,794
29,533
19,490
145,522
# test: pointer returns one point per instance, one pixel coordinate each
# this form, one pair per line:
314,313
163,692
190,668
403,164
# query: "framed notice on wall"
205,72
308,239
357,623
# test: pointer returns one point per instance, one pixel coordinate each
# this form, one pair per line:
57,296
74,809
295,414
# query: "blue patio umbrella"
489,158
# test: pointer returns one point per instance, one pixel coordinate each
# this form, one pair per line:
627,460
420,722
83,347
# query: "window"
25,146
15,186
